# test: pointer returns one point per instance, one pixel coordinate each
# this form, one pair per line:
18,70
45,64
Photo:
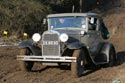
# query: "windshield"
67,22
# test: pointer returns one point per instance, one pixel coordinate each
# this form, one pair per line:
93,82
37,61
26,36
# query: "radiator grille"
51,46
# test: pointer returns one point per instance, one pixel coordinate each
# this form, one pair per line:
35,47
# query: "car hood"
74,35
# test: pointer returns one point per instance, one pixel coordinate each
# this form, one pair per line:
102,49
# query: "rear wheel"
111,53
26,65
111,57
77,67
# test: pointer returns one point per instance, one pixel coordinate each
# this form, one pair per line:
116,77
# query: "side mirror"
105,33
92,20
44,21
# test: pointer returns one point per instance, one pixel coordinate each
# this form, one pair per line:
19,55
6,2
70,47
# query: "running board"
46,58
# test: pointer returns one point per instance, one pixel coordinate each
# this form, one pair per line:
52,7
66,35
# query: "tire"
25,65
77,67
111,57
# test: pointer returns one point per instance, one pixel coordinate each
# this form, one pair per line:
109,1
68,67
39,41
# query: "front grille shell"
50,44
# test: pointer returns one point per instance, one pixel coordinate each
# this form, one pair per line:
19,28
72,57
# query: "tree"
19,16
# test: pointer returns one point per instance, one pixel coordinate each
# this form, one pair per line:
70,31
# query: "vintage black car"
75,39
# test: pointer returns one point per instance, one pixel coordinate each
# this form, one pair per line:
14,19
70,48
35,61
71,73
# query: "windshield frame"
72,17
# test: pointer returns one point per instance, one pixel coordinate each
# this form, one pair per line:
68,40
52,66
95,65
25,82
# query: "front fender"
25,44
76,45
28,44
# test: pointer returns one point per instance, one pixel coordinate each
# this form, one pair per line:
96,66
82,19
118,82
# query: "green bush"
18,16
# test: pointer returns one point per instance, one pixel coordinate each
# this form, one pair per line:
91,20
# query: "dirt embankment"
114,18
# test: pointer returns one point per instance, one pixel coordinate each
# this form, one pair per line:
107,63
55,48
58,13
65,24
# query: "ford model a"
75,39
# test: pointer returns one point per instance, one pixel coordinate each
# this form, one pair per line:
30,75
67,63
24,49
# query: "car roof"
74,14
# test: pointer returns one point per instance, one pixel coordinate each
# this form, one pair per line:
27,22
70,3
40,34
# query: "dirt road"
10,72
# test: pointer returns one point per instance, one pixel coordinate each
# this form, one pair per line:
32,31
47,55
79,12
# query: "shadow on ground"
120,61
121,57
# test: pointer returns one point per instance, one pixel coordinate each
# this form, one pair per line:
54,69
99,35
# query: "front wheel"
77,67
25,65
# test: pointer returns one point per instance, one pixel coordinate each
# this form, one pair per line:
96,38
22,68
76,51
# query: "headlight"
64,37
36,37
82,32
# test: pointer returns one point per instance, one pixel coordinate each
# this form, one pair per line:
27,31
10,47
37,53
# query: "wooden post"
80,4
5,33
25,35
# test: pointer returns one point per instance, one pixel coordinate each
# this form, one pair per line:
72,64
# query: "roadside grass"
13,39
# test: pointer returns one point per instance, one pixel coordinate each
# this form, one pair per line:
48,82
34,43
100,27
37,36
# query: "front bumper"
46,58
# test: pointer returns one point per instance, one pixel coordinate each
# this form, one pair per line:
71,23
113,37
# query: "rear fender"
105,50
28,44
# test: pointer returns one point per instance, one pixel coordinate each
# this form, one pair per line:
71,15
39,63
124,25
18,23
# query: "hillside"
114,20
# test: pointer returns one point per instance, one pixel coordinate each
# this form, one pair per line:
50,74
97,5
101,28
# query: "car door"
93,37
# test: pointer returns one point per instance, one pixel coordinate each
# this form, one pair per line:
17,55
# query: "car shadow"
40,70
120,61
50,67
91,70
120,57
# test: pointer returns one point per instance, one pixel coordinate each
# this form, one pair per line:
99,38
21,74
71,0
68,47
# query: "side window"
104,30
92,24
